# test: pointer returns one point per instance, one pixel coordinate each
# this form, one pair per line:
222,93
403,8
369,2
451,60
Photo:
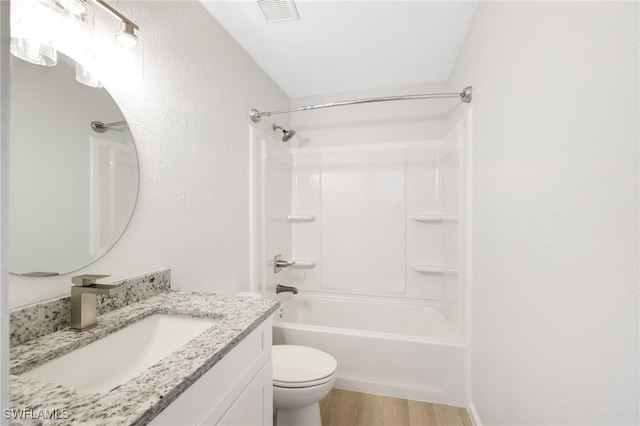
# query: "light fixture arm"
125,21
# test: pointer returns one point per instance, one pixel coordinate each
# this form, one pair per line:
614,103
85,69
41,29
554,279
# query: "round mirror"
73,184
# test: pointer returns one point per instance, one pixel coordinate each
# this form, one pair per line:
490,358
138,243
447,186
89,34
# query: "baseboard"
473,414
374,388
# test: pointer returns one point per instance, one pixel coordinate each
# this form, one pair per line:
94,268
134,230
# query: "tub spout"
282,288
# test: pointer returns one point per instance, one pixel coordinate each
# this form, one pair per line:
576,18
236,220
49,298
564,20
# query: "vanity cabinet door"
254,407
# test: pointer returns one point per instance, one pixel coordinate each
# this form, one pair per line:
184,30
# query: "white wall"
189,117
555,211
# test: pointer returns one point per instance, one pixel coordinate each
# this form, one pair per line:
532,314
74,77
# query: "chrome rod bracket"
255,115
467,94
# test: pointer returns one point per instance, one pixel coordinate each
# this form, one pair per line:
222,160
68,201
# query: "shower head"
286,134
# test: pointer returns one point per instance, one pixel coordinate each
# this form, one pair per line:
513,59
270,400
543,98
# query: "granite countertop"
142,398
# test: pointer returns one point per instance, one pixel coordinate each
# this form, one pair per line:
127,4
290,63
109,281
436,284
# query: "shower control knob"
278,263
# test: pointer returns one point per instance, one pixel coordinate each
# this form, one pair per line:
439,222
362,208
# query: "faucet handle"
86,279
278,263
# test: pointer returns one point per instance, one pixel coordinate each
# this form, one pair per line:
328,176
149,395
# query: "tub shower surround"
142,398
40,319
377,232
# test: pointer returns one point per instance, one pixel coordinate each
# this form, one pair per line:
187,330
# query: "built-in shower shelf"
301,217
434,269
434,217
304,263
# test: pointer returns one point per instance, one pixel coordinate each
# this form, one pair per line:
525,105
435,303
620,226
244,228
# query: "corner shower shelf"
434,269
434,217
300,217
304,263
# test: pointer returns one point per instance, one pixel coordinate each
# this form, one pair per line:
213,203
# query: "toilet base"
308,415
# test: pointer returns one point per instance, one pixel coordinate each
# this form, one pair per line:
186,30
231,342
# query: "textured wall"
189,117
555,211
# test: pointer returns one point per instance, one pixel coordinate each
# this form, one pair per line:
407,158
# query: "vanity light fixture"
126,36
41,28
75,28
31,24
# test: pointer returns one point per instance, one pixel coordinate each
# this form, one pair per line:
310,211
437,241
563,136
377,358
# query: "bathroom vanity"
223,376
235,391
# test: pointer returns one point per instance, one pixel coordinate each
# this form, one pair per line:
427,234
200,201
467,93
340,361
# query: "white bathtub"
398,349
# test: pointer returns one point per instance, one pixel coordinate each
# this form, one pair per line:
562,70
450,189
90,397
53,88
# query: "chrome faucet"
83,299
282,288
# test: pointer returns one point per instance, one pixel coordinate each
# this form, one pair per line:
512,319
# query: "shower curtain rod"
465,96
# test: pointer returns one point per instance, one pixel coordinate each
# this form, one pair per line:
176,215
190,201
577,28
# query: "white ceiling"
344,46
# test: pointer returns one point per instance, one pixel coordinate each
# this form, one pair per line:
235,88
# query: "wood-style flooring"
348,408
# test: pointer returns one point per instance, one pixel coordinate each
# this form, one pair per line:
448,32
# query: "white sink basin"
119,357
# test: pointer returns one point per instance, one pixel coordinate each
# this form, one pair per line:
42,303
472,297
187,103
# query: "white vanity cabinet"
237,391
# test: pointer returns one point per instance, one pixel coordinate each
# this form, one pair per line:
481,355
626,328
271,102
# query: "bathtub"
400,349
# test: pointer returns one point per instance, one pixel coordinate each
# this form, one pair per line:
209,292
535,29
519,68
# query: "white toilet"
302,376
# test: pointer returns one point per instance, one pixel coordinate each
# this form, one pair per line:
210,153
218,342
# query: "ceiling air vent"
279,10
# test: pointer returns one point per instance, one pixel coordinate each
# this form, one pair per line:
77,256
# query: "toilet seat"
301,366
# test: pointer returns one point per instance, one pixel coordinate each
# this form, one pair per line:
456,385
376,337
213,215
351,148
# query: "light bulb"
74,35
126,40
74,7
126,36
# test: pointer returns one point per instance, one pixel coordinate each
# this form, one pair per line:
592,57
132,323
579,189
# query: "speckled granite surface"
39,319
142,398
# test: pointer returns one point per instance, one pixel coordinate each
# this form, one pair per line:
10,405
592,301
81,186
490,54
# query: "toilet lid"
294,366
